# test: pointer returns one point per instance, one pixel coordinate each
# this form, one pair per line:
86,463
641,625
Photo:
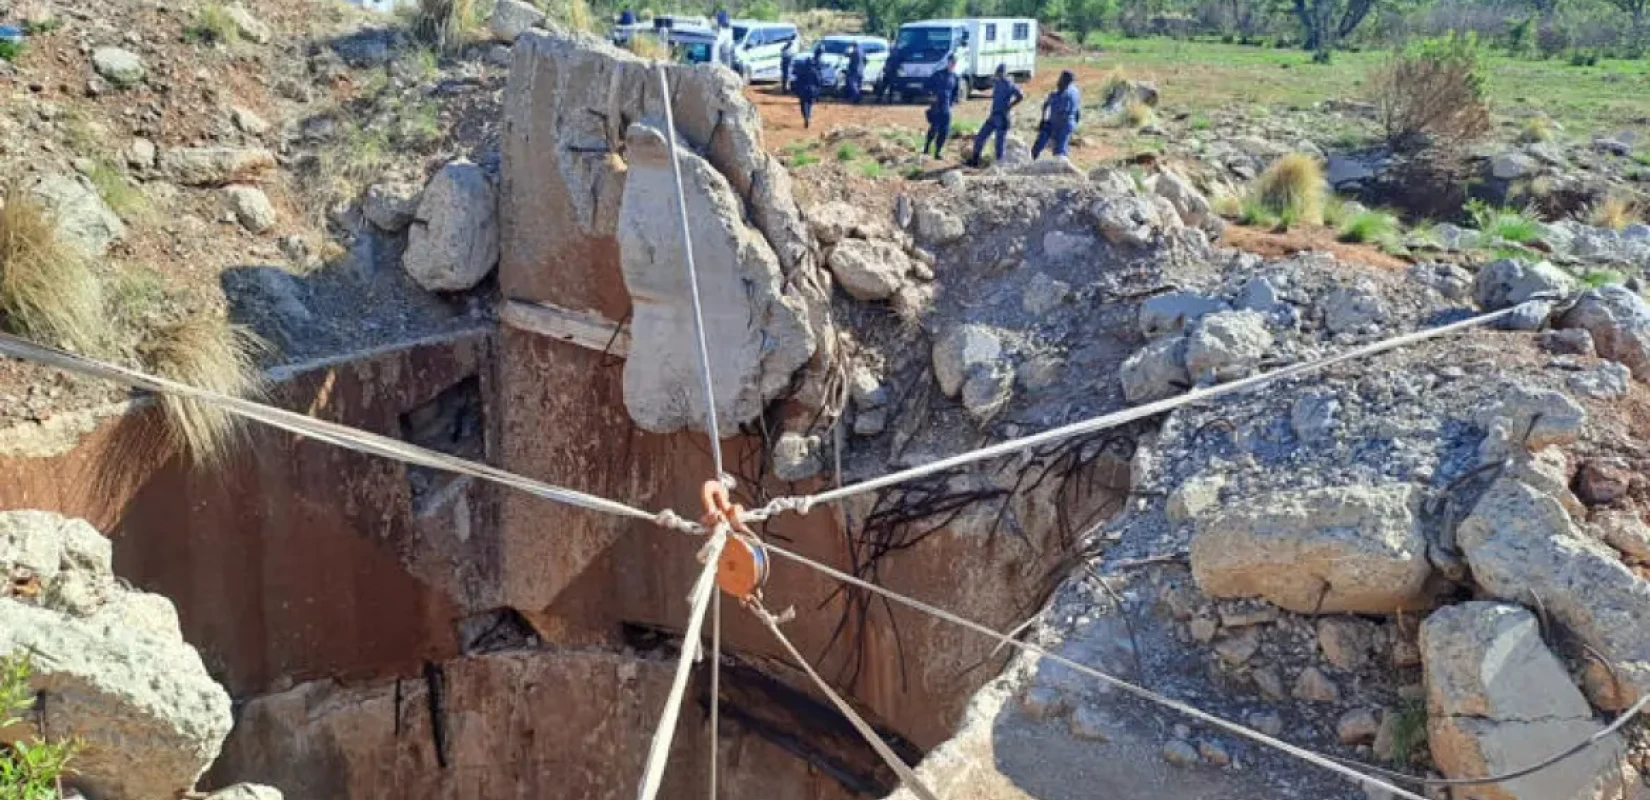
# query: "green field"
1198,76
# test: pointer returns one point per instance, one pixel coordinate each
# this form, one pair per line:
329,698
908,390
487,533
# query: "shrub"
847,151
1595,278
212,25
1292,190
804,158
10,50
204,351
445,24
1432,94
1614,212
29,770
574,14
1370,227
1536,129
1507,224
1138,115
871,169
650,47
767,10
48,291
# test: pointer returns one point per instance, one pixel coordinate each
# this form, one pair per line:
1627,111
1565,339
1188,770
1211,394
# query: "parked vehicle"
979,44
702,44
834,63
623,31
753,46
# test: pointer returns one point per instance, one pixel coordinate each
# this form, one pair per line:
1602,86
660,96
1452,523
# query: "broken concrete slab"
760,336
1318,551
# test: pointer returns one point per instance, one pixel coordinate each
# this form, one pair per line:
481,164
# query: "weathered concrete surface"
1324,551
539,724
1498,700
110,662
297,560
759,336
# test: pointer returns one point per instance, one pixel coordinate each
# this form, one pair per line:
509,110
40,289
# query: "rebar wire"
659,752
329,432
1137,691
1114,419
693,277
906,775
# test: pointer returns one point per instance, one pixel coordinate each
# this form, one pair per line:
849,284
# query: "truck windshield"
739,32
835,47
924,44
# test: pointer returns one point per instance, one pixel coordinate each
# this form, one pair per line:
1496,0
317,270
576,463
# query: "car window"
991,32
1022,31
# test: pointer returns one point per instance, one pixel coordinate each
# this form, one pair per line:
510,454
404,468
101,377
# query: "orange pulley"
742,568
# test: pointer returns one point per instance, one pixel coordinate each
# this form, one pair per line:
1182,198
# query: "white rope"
715,684
659,751
329,432
801,504
906,775
693,278
1137,691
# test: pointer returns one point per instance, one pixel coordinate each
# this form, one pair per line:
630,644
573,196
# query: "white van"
980,44
833,64
754,47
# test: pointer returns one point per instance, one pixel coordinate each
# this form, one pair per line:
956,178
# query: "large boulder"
82,220
1523,545
453,242
1345,549
512,18
251,207
1121,93
216,166
761,335
960,351
1498,700
1226,345
120,67
1194,209
1619,321
111,663
1510,281
1128,220
1172,311
869,270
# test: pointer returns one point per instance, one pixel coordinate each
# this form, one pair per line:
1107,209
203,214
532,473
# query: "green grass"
1201,76
41,27
1642,158
419,125
848,151
212,25
10,50
966,128
119,194
133,295
1506,224
29,770
1369,227
1254,213
1410,733
871,169
1200,123
803,158
1595,278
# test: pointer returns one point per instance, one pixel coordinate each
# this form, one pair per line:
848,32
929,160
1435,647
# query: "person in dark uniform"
947,90
1004,97
854,77
785,60
1061,113
807,85
890,72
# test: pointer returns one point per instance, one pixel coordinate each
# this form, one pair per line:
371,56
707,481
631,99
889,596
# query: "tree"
1086,16
1324,23
1637,10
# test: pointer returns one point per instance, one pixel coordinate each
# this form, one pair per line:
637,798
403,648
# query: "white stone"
1226,345
454,239
869,270
81,218
1156,371
1129,220
959,351
120,67
248,121
251,207
1172,311
1509,282
512,18
1619,321
250,27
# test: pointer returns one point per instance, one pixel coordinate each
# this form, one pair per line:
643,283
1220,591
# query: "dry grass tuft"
1614,212
1138,115
1292,189
649,47
204,351
446,25
48,292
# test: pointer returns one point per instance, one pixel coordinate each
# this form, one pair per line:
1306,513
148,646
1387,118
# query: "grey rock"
959,351
1312,417
869,270
140,154
1239,646
119,675
81,219
246,791
870,421
1179,753
1537,418
1509,282
1094,725
1606,381
865,388
1213,754
248,121
1112,182
512,18
454,239
1056,167
1530,315
1156,371
1614,147
1347,643
797,457
1449,280
988,389
120,67
1348,310
1043,294
834,221
1267,722
216,166
1194,497
762,334
1619,321
1226,345
251,207
1497,700
1313,686
392,206
1129,220
1270,683
1624,530
1341,170
1512,166
1194,209
250,27
1121,93
1357,726
936,225
1346,549
1172,311
1261,295
1569,341
1060,245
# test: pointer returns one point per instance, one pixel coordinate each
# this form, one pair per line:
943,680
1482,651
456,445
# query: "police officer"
807,85
785,61
947,90
1061,112
1004,97
854,76
890,72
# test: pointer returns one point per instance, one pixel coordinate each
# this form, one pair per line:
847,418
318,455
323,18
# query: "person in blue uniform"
1004,97
807,85
785,61
946,88
1061,113
890,72
854,76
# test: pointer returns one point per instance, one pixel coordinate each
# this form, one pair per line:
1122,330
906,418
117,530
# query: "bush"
871,169
1432,94
1596,278
847,151
767,10
650,47
29,770
48,291
1614,212
212,25
445,25
1370,227
209,353
1292,190
804,158
1507,224
1138,115
1536,129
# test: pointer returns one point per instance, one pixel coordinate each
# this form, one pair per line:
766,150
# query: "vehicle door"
876,59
